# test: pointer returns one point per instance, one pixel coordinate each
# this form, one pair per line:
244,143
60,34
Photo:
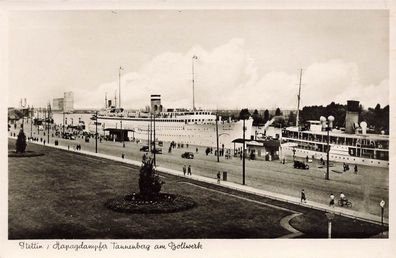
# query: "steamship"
195,127
354,145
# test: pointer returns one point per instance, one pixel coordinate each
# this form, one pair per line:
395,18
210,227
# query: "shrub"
149,181
21,142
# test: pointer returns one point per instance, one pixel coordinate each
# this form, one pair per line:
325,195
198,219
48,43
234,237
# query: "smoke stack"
352,116
156,106
363,125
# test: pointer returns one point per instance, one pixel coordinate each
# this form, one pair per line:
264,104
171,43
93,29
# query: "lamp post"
48,123
96,132
155,150
382,205
63,129
217,137
31,124
122,133
330,217
327,125
243,154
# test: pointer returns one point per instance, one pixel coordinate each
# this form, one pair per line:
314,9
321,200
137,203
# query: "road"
365,189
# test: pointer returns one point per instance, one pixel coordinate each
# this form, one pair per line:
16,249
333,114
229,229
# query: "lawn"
61,195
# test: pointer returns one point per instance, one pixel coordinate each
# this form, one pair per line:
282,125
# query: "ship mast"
298,103
119,86
194,57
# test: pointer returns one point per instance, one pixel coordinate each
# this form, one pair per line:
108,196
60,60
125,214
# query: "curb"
230,185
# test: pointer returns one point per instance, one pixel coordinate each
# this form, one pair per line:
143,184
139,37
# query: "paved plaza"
62,195
365,189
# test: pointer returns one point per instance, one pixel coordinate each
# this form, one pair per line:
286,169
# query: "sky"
246,58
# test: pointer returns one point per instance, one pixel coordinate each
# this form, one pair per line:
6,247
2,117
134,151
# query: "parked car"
156,151
145,148
187,155
300,165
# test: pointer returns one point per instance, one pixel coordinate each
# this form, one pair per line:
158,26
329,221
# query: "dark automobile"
300,165
145,148
156,151
187,155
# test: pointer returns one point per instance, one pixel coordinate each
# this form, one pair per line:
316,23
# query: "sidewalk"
243,188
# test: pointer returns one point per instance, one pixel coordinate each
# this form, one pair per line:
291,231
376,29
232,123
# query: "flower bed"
160,203
14,154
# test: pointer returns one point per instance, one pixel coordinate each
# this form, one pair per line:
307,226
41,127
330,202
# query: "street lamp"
243,153
327,125
48,122
155,112
31,123
382,205
330,217
63,127
96,132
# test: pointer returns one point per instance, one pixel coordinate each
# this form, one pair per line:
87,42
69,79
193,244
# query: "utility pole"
155,164
31,124
243,153
48,123
148,135
217,137
151,132
63,129
96,133
298,103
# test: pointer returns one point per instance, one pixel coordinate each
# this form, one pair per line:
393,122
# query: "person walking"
356,169
218,177
342,198
189,170
331,200
303,198
184,170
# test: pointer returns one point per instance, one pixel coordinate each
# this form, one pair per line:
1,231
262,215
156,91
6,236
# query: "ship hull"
337,154
201,134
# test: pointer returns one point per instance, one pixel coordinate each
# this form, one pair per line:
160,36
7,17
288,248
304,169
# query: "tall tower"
68,101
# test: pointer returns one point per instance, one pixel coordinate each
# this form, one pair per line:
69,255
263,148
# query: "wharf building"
65,104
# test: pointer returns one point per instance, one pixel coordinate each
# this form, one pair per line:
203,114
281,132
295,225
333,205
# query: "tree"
21,142
266,116
256,117
244,114
149,181
278,112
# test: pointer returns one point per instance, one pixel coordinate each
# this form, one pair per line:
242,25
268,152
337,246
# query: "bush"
21,142
149,181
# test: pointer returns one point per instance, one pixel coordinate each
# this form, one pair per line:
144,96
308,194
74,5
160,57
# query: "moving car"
187,155
145,148
156,151
300,165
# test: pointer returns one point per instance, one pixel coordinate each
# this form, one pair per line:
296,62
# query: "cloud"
227,77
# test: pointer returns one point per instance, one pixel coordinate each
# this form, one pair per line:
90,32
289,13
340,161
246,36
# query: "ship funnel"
352,116
363,125
156,106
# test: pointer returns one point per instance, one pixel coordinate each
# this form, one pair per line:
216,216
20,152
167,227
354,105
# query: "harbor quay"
365,189
62,195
